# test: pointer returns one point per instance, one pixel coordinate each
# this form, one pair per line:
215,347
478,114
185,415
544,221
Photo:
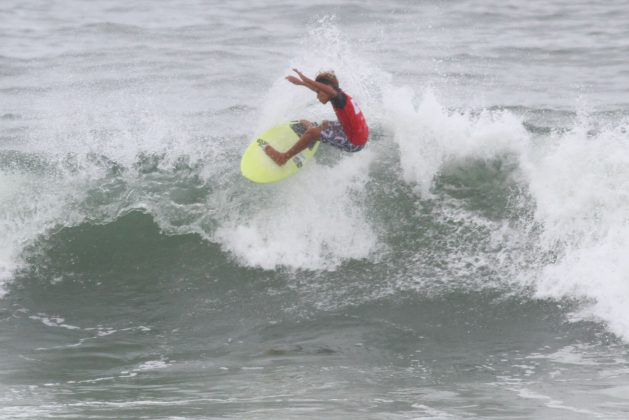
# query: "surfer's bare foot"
279,158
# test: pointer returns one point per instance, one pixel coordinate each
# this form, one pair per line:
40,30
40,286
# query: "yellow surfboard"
257,166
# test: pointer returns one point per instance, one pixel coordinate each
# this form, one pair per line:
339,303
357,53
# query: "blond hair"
328,78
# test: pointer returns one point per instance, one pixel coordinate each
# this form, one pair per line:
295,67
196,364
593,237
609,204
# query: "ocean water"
470,263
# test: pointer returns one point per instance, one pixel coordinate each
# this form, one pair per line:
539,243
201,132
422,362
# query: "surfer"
349,133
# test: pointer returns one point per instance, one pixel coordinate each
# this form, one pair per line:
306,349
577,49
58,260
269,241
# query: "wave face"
478,242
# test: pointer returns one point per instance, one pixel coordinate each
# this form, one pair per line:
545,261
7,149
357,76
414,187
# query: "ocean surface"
472,262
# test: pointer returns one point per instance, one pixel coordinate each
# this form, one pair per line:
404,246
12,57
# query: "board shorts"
335,136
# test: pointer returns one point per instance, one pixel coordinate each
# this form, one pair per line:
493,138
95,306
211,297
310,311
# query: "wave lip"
580,182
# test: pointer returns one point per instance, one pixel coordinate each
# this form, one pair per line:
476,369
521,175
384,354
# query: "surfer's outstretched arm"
313,85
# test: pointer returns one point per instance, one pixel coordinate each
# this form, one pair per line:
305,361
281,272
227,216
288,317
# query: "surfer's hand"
294,80
301,75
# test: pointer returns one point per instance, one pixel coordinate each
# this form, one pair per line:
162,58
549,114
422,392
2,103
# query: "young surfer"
349,133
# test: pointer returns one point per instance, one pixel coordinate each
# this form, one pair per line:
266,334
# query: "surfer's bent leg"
309,136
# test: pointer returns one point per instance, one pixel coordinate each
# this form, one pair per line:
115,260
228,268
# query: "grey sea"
470,263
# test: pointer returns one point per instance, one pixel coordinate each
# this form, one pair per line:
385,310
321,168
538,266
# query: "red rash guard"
351,118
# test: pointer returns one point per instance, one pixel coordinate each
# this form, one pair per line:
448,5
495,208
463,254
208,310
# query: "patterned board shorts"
335,136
